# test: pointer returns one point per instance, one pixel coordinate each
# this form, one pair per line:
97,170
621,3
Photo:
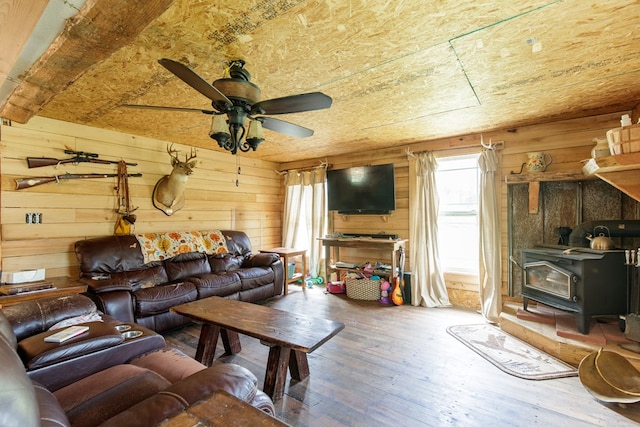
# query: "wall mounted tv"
362,190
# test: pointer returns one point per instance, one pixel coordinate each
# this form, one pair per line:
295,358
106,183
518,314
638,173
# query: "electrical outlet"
33,218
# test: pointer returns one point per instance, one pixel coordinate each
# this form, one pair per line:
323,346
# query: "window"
457,180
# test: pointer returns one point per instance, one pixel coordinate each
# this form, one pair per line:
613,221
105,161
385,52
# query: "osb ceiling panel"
532,55
398,71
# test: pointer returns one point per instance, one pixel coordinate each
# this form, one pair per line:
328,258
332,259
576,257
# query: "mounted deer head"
168,193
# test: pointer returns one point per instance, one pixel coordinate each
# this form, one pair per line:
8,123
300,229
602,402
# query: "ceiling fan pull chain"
238,172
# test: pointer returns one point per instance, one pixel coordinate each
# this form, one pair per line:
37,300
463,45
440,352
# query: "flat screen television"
362,190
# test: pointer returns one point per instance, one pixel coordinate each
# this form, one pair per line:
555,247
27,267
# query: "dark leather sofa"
126,284
99,377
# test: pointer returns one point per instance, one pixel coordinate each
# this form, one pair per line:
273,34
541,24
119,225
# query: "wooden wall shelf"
524,178
623,162
622,172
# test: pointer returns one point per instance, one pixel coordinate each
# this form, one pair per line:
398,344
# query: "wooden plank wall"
77,209
74,210
569,142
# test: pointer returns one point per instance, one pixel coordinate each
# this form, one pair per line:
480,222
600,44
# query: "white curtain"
428,287
490,262
305,214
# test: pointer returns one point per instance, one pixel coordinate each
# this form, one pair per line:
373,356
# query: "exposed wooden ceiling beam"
100,29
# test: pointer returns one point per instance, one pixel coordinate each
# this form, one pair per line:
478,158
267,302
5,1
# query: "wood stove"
583,281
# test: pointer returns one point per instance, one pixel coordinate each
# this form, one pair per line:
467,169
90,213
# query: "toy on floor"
310,281
385,286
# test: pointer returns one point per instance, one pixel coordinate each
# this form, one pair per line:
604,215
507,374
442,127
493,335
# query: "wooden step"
555,332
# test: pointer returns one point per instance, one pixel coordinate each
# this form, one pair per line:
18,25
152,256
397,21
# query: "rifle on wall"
78,157
39,180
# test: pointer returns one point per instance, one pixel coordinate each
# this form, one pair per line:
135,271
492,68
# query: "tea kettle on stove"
601,242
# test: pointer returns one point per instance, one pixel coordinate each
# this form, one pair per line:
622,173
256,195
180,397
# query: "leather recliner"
145,390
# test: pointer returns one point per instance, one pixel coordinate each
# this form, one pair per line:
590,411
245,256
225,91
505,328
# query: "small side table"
62,285
285,254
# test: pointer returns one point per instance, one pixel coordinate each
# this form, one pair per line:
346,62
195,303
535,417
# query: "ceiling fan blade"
161,107
285,127
194,80
293,104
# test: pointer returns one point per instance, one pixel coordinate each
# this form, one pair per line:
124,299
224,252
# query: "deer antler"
171,152
192,155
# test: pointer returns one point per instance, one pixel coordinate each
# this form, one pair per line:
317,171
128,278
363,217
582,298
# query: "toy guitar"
397,291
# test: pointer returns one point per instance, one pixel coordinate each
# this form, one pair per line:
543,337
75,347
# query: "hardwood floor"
397,366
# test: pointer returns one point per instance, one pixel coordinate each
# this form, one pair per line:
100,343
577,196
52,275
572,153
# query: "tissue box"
23,276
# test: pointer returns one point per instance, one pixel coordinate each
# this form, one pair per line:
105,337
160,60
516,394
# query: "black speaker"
407,287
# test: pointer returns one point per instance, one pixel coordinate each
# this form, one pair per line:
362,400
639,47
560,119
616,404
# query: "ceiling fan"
237,98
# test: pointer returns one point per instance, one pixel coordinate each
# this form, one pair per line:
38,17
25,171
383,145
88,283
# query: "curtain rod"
490,146
323,164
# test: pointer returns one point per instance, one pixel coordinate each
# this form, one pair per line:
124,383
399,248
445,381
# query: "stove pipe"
617,228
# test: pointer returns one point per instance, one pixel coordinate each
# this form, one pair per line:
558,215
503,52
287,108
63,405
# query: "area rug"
510,354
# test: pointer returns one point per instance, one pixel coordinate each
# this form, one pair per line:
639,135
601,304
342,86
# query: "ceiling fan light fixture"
219,130
229,133
255,134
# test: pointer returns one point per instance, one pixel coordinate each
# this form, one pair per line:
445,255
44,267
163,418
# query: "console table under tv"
392,246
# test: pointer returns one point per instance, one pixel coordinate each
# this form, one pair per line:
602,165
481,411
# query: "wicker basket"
364,289
624,140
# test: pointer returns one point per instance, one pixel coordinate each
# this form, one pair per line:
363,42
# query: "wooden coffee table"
290,336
